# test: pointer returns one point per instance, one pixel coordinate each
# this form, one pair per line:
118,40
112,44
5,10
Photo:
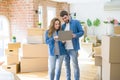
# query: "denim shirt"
51,44
76,28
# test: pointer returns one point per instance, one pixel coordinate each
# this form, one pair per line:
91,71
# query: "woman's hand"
63,41
55,37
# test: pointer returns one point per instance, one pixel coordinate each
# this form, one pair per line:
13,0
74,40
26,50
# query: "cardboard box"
35,31
35,50
117,30
98,60
97,50
11,51
14,45
111,49
34,64
12,59
35,39
15,68
110,71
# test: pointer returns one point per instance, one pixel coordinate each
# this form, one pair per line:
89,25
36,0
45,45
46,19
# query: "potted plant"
92,25
109,25
87,39
13,39
96,22
39,24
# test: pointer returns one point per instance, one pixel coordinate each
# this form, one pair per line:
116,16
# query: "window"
40,15
51,13
4,34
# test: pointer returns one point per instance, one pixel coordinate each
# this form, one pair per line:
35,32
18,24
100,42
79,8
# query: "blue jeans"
73,55
54,66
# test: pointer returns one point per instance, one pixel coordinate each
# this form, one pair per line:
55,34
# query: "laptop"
65,35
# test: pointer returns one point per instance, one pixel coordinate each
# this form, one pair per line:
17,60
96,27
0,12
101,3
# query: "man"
72,46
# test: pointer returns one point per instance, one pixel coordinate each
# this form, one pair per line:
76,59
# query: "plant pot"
109,29
14,40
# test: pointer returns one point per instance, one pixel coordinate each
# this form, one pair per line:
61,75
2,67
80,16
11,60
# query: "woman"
56,49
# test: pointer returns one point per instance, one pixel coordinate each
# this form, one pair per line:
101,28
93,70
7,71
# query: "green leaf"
96,22
89,22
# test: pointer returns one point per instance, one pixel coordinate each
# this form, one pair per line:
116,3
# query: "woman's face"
57,25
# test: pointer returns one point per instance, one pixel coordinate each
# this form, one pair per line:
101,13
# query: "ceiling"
76,1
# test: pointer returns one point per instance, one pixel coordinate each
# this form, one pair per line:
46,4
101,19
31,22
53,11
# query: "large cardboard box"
117,30
15,68
111,48
35,39
11,51
14,45
97,50
110,71
12,59
35,50
35,31
34,64
98,60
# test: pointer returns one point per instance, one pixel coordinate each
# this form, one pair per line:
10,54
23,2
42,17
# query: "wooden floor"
87,72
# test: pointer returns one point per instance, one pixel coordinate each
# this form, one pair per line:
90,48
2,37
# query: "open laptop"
65,35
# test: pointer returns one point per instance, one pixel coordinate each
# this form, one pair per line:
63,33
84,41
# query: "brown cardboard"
14,45
111,49
35,39
97,50
35,31
35,50
110,71
117,30
12,59
15,68
11,51
98,60
34,64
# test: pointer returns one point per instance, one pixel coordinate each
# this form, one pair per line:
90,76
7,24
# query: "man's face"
65,18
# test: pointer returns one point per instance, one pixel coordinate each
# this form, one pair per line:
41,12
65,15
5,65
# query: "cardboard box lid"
14,45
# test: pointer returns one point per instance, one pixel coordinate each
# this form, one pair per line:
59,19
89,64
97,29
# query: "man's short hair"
63,13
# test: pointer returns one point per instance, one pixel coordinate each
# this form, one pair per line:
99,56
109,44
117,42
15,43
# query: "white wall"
93,10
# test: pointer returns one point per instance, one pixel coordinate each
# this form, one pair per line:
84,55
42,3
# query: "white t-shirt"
68,44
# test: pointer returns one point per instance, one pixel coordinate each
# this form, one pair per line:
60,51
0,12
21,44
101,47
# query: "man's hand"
73,35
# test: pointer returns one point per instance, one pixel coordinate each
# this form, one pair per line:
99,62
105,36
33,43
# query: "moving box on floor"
14,68
34,64
111,48
35,50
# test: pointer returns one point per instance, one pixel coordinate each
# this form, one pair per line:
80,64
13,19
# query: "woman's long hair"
51,29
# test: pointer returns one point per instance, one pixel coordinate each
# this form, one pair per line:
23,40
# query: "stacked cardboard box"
35,58
110,58
35,35
35,52
98,61
117,30
12,57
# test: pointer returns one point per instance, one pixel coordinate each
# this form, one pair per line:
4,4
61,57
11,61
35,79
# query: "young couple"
59,50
